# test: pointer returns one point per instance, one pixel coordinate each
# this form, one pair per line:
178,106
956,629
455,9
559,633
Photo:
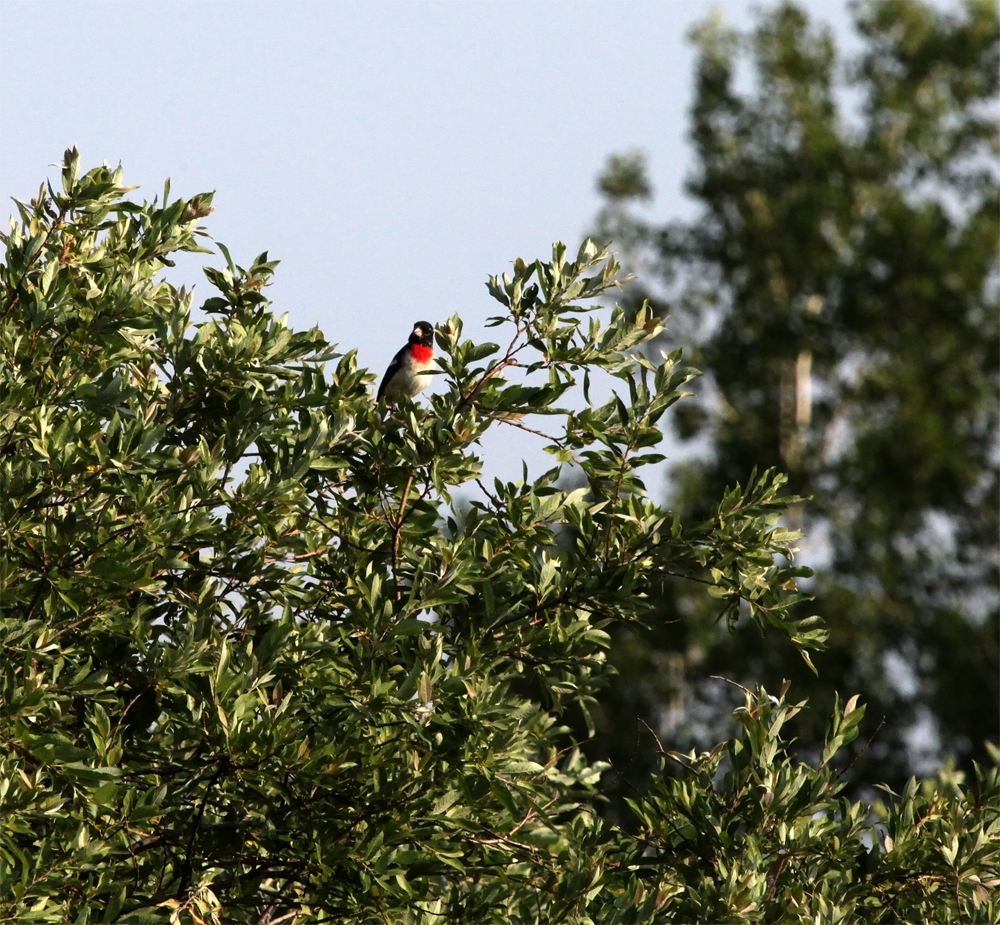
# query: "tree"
840,288
257,669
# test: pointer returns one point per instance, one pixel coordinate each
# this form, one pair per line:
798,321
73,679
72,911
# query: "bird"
408,372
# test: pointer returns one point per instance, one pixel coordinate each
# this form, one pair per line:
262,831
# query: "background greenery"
839,289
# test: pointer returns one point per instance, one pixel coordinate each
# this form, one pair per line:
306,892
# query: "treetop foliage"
258,666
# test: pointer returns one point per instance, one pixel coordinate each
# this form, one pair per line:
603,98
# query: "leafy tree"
840,287
257,669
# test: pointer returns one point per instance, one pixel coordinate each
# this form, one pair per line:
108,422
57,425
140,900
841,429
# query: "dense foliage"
839,288
257,669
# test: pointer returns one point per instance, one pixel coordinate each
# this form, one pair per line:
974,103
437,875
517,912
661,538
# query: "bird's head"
423,333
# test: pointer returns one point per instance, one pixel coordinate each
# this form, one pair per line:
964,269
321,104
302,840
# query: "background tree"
255,669
840,285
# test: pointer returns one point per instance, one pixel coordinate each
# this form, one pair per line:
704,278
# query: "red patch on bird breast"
421,354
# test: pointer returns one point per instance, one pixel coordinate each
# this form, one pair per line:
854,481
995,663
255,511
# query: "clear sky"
390,154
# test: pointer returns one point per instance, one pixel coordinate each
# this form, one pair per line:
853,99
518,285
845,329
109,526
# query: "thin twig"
558,441
649,729
779,867
287,917
508,360
719,677
871,739
492,371
293,557
396,530
185,879
492,497
36,597
703,581
530,612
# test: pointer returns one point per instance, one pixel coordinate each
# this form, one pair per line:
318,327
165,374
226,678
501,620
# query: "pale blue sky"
390,154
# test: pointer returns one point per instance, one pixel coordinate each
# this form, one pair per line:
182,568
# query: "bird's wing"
394,367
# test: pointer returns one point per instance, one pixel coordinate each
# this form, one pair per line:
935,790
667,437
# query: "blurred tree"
840,283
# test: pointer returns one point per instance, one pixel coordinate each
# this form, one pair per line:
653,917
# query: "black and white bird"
408,373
